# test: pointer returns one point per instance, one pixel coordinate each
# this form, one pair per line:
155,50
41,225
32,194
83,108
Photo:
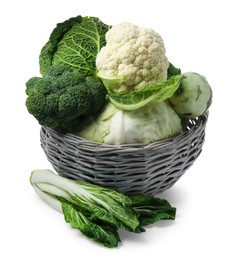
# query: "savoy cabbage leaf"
75,44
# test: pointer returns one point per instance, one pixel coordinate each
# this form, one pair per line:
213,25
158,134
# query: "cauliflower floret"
136,53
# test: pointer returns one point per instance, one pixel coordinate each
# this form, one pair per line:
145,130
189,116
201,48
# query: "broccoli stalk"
61,97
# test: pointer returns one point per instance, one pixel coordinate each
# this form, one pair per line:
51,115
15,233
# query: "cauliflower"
133,54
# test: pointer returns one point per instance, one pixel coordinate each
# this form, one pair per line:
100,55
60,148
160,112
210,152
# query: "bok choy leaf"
96,211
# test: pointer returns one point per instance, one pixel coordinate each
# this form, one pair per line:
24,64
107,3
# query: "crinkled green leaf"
105,235
172,70
80,45
136,99
152,209
75,44
107,205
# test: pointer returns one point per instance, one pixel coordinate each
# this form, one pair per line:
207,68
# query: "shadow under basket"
131,168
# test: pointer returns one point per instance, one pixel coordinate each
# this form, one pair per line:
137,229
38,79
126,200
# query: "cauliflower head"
134,54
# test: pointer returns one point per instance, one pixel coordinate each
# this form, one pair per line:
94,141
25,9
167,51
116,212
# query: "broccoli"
63,96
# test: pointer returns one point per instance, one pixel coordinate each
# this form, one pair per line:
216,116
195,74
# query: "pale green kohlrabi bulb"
155,121
193,97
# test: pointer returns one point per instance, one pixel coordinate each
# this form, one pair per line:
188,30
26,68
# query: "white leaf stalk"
48,199
50,186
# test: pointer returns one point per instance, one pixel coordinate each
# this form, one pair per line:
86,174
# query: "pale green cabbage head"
155,121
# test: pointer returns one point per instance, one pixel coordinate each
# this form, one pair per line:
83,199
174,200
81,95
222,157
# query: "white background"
198,36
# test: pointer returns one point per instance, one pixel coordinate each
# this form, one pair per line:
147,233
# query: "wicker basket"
136,168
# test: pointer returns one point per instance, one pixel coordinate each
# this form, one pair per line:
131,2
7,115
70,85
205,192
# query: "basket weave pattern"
135,168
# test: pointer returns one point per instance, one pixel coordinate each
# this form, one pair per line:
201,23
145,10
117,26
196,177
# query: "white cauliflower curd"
134,55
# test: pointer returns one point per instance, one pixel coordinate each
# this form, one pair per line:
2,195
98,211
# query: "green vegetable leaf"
48,50
152,209
75,44
111,82
172,71
80,45
105,192
136,99
105,235
107,205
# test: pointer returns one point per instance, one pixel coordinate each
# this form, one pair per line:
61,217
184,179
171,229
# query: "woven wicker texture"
147,169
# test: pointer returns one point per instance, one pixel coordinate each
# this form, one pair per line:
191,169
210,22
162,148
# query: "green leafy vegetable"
106,235
75,44
152,209
139,98
98,212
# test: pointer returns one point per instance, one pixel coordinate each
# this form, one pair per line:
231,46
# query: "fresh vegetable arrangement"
87,64
112,85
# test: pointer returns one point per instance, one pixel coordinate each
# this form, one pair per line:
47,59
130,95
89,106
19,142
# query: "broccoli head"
62,96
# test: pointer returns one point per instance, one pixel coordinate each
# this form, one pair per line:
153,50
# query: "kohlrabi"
193,97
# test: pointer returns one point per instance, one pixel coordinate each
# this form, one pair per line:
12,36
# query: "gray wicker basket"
136,168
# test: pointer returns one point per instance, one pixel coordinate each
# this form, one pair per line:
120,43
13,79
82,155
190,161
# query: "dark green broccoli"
62,96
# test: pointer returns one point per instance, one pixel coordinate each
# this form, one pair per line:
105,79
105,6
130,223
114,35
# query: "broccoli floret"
62,96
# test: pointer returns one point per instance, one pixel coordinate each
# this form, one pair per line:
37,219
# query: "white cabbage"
155,121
